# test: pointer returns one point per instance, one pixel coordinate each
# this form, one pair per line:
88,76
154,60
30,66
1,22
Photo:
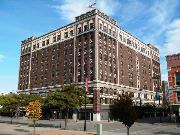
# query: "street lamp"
86,84
140,94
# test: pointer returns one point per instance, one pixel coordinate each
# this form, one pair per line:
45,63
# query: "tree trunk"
11,119
34,124
59,119
128,130
65,120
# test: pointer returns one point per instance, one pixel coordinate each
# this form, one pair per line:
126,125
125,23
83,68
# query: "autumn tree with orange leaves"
34,112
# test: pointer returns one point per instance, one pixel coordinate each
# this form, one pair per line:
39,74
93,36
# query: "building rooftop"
172,55
89,14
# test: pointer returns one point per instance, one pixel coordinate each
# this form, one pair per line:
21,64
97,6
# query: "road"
145,126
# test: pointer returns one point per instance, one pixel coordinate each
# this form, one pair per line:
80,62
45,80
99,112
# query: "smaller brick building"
173,66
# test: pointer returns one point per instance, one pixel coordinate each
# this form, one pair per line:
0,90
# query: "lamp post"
140,94
85,102
85,114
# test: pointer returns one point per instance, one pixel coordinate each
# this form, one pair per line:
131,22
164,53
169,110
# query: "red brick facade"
173,65
92,46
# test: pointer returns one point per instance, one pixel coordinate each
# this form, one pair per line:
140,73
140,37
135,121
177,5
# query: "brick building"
173,66
93,46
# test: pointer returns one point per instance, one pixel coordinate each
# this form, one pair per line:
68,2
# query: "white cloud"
172,39
162,11
153,20
70,8
171,45
160,16
162,31
2,58
109,7
131,10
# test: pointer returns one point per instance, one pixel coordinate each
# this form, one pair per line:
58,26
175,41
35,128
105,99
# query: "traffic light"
179,111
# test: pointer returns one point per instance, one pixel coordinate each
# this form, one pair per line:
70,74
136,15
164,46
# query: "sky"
152,21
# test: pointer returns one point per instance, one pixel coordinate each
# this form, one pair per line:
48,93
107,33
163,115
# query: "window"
100,35
54,39
79,30
113,34
71,33
58,37
34,47
66,35
79,78
23,51
177,74
105,28
91,39
85,27
43,43
145,96
91,25
135,45
142,49
47,42
100,26
128,42
37,45
145,87
110,31
120,36
124,39
130,76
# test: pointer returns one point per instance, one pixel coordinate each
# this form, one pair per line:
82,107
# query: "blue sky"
153,21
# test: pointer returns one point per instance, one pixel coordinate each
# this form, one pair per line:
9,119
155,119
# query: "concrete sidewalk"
62,132
142,127
19,129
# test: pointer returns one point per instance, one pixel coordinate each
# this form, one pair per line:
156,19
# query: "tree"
9,105
33,97
70,97
24,99
123,110
34,112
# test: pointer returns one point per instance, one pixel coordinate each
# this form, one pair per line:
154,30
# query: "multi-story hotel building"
93,46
